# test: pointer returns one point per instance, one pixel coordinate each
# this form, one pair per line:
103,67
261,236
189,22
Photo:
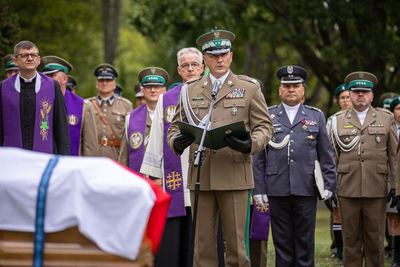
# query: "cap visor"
105,77
360,89
291,81
51,71
12,68
139,94
218,51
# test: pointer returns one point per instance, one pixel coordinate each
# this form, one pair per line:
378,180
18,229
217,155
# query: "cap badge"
290,69
361,75
153,71
216,35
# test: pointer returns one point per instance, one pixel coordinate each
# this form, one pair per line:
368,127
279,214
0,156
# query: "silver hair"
189,50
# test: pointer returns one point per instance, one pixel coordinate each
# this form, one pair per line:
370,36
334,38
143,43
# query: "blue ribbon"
40,210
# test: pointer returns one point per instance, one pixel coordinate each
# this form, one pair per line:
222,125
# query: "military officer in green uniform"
365,142
110,111
226,176
11,68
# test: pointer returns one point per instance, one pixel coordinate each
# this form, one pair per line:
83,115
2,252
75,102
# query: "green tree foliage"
9,30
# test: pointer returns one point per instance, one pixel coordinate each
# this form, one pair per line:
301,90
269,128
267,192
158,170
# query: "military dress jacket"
114,110
290,170
363,171
239,99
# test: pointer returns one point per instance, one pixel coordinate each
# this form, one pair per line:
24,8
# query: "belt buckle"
104,141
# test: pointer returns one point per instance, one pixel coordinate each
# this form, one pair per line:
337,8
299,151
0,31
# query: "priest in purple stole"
138,123
80,113
160,162
32,107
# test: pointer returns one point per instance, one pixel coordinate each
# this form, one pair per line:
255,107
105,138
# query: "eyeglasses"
345,98
25,56
186,66
155,87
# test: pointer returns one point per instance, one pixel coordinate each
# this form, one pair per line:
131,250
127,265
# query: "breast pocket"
200,108
233,108
347,135
310,135
377,136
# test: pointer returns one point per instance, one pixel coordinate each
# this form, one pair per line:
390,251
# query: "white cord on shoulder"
281,145
188,109
345,147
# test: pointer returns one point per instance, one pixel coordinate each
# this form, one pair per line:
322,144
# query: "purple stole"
136,137
260,222
74,105
173,178
43,129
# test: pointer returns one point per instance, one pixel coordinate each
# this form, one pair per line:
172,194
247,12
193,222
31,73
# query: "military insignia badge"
45,107
216,35
173,180
304,127
234,111
272,116
273,139
228,131
153,71
289,69
354,131
378,138
169,113
229,82
72,119
347,138
136,140
311,137
361,75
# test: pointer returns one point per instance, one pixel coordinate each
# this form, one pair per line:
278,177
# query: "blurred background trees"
328,38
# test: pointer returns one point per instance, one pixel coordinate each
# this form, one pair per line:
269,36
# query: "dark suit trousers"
363,224
293,229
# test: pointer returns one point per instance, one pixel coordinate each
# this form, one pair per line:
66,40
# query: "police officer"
80,113
300,138
138,123
118,90
226,174
365,141
110,111
139,95
11,68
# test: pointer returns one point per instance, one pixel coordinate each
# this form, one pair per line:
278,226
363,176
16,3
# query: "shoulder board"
86,101
194,80
314,108
272,107
124,99
91,98
339,112
247,78
384,109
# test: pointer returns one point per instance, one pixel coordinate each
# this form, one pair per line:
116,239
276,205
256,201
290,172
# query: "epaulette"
272,107
340,112
125,100
86,101
385,110
314,108
247,78
194,80
91,98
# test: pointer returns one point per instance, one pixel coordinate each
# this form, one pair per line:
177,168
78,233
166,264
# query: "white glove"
261,199
327,194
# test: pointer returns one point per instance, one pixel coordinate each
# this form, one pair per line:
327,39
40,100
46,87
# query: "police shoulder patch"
314,108
247,78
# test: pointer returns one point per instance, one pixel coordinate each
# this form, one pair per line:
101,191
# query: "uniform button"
291,131
291,160
104,126
104,136
291,150
269,173
362,151
362,160
362,132
105,104
362,142
105,115
292,141
104,131
215,151
214,107
214,121
105,110
119,113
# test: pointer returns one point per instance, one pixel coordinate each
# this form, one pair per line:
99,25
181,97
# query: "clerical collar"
28,80
110,100
222,78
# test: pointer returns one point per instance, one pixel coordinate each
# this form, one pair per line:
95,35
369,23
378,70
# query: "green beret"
394,103
216,41
361,80
340,88
153,76
53,64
